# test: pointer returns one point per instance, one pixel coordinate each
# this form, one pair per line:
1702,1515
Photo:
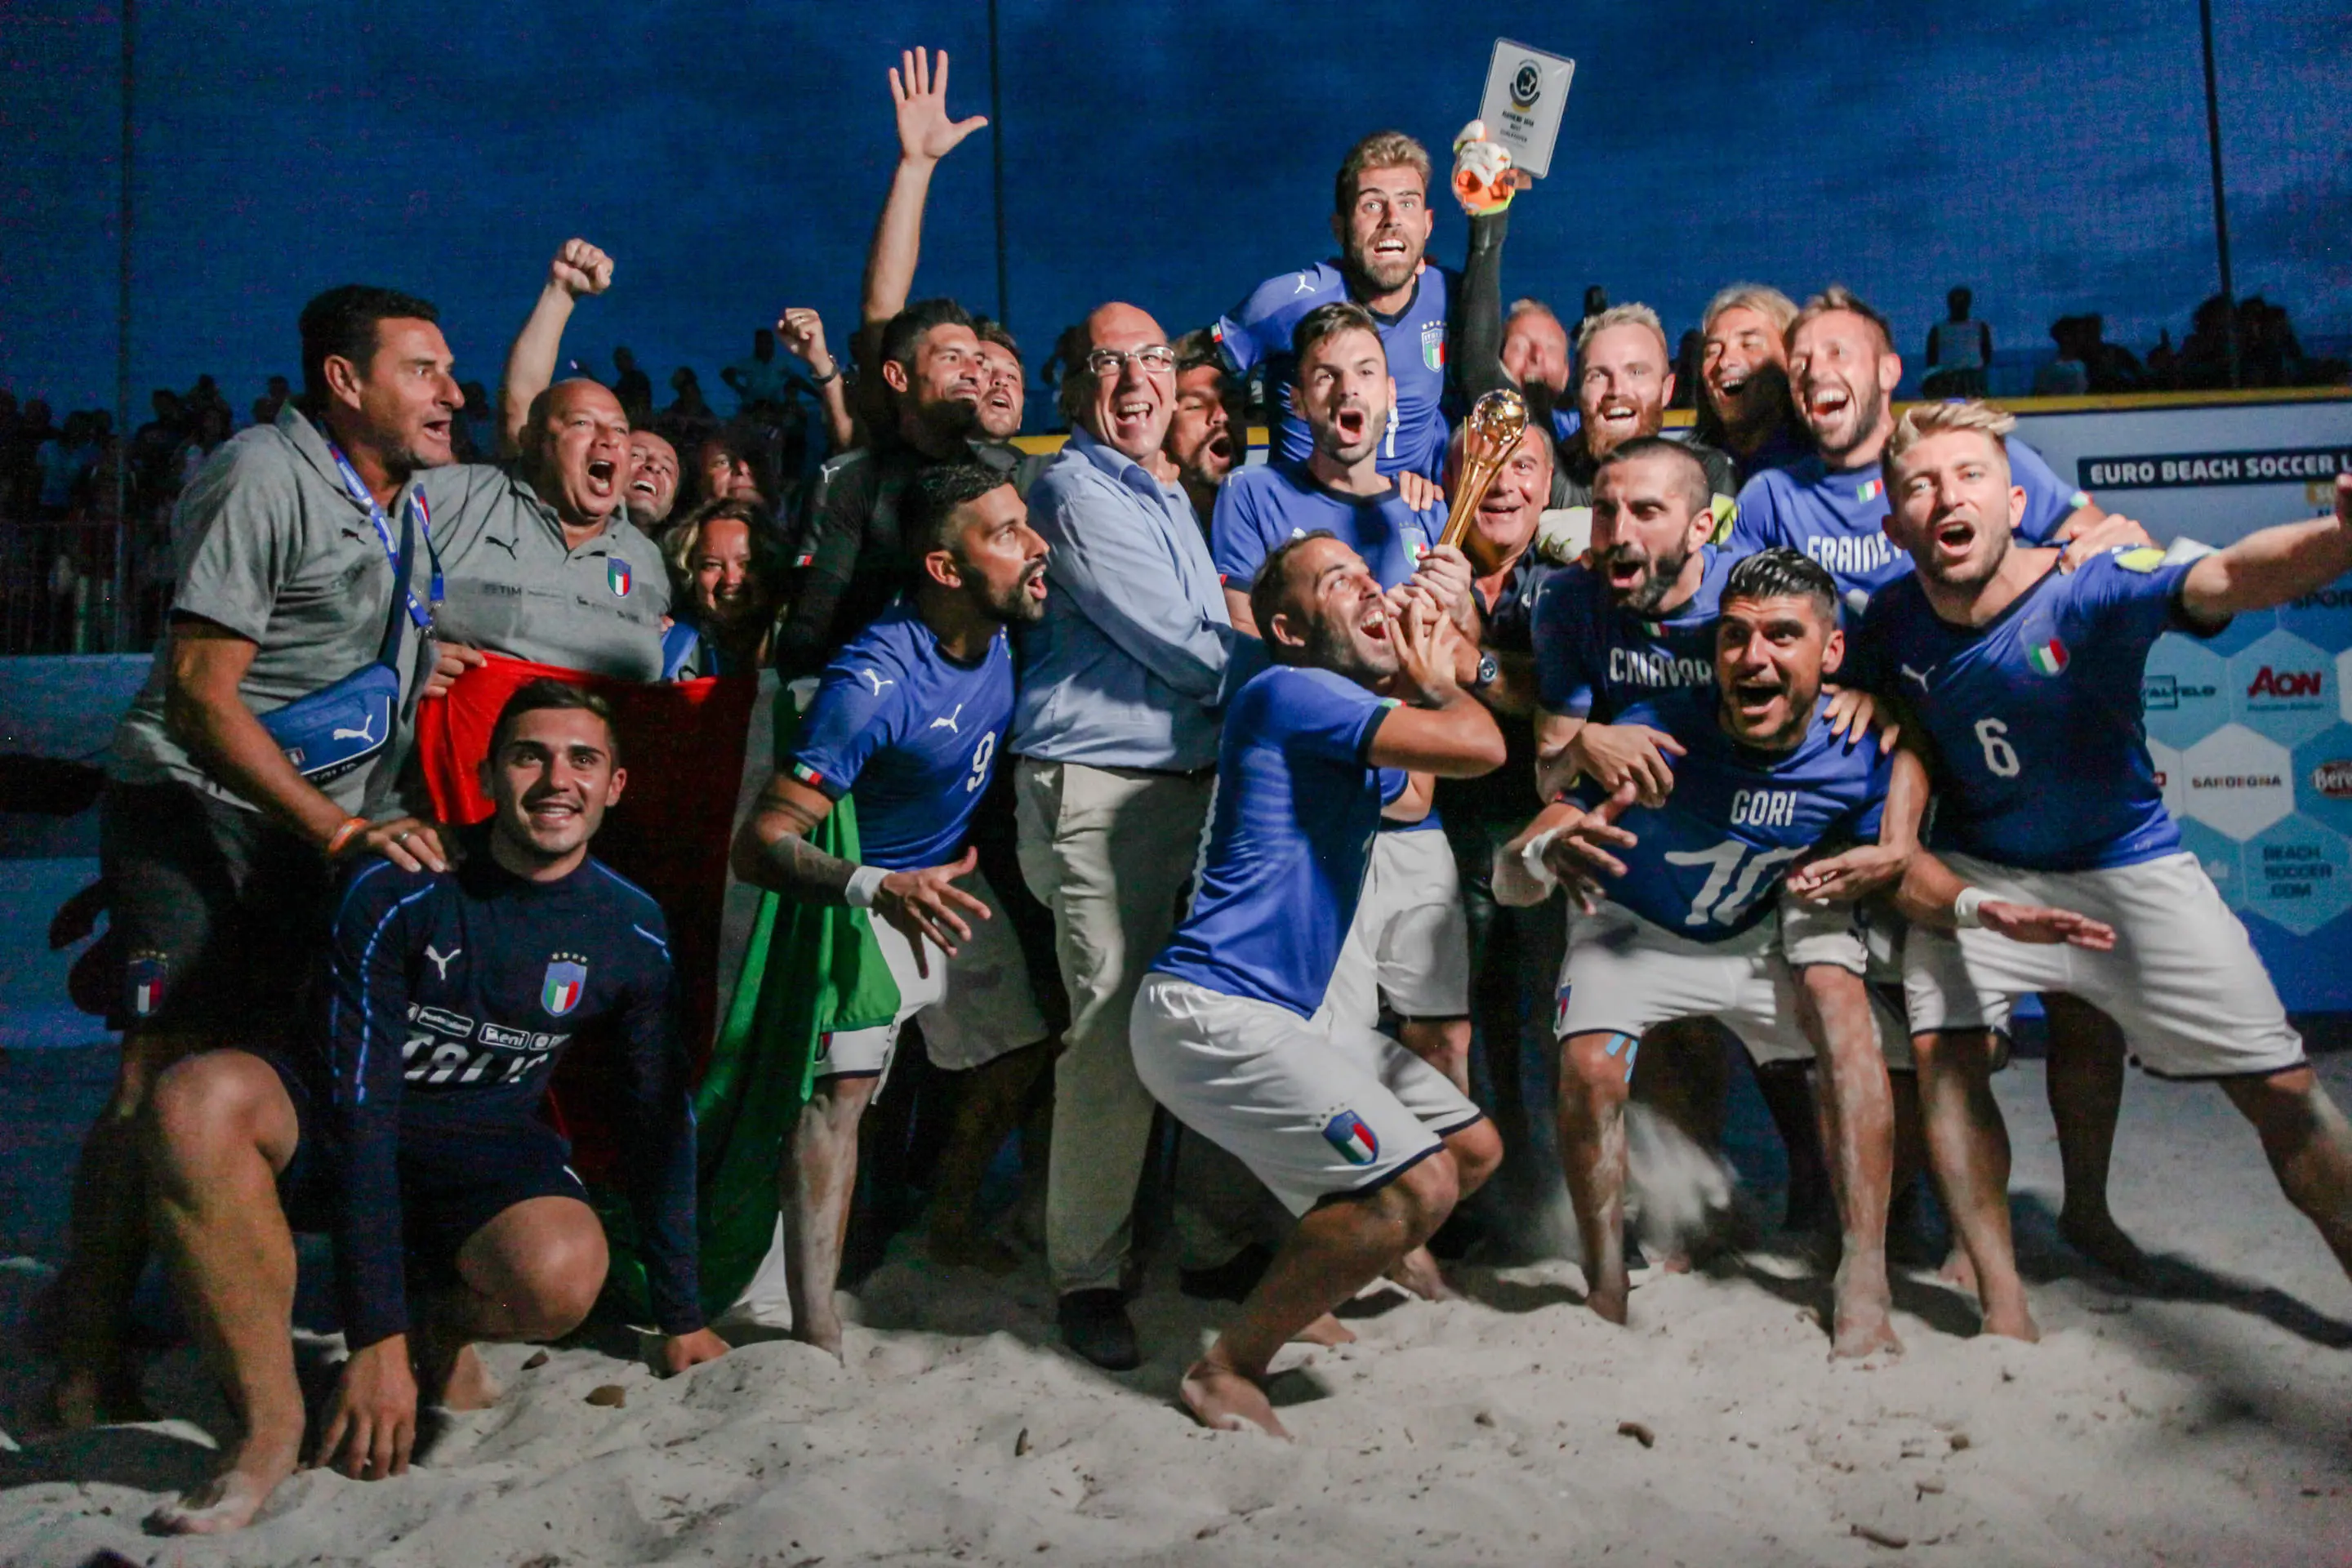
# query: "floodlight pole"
123,355
996,160
2221,199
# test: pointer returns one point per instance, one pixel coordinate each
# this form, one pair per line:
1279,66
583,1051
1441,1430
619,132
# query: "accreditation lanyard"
420,614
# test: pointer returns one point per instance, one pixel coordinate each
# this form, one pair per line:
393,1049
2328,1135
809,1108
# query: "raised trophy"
1496,422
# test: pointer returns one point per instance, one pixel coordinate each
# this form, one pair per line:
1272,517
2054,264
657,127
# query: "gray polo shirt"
273,548
515,587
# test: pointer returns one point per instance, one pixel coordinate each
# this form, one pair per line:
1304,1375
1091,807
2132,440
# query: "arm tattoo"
807,874
797,868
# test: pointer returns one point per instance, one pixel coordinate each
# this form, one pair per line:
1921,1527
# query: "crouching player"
406,1124
2024,680
911,713
1367,1143
1684,920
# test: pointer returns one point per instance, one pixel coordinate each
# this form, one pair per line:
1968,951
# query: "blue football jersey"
914,731
1257,332
1839,517
1592,657
1708,861
1261,507
2041,756
1290,833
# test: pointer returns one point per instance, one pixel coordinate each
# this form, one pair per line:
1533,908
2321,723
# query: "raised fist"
799,331
580,268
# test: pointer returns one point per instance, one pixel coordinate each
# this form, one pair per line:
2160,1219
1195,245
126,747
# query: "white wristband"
1531,856
1966,908
864,883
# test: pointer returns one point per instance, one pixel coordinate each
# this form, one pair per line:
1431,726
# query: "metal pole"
2220,200
996,160
122,360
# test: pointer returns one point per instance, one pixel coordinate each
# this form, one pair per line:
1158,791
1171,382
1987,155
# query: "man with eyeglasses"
1115,733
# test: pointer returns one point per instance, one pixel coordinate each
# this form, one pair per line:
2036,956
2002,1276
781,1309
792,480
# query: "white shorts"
1623,975
1410,942
1315,1109
2183,982
988,1008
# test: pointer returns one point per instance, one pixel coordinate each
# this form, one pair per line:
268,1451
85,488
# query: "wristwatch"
1488,672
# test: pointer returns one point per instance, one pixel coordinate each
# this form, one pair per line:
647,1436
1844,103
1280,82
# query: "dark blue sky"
732,156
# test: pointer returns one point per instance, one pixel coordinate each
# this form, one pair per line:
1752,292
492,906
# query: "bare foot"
1418,1272
2011,1321
1223,1399
823,1333
964,1249
1608,1303
1959,1271
1866,1324
1326,1329
230,1500
2098,1237
81,1399
469,1385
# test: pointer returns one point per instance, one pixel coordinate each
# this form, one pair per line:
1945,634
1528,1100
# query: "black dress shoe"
1094,1323
1230,1280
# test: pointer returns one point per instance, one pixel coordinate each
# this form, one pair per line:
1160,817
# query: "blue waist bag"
335,728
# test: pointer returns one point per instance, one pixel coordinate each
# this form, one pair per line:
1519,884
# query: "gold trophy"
1496,422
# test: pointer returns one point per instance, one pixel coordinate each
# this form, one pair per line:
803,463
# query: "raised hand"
927,906
926,134
2044,927
580,268
1484,180
800,330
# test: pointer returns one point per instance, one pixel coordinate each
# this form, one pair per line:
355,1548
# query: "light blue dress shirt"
1136,653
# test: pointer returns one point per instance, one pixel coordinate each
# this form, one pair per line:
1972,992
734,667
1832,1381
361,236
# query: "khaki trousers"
1107,851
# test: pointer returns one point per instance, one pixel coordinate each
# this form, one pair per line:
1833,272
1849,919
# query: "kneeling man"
1367,1143
406,1125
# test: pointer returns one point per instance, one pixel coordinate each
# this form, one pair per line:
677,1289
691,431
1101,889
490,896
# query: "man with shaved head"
1116,737
539,554
540,559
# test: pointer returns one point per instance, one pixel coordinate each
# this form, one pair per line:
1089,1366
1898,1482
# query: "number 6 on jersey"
1999,756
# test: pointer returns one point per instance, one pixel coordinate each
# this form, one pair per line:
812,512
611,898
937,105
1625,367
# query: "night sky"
732,157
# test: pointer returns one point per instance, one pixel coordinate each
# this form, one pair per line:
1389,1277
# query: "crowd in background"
64,471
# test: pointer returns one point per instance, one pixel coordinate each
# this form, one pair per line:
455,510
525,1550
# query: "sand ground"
2206,1420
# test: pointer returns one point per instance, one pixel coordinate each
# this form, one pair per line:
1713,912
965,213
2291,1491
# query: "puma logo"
949,723
364,732
1911,674
441,960
876,681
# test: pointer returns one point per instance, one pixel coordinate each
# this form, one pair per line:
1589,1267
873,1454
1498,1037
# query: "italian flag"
809,970
2047,658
